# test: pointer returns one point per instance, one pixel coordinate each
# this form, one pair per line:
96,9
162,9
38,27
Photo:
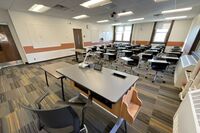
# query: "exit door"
78,38
8,49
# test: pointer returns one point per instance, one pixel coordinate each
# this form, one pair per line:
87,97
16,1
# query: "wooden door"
8,49
78,38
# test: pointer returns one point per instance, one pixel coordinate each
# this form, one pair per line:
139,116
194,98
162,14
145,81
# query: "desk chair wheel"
152,81
145,77
164,81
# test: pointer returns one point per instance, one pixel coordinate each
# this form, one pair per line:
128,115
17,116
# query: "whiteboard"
47,35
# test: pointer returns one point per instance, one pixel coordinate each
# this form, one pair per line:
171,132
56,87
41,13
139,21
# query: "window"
162,29
123,33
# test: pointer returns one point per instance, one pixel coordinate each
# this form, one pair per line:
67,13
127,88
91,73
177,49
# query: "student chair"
61,116
145,57
94,48
158,67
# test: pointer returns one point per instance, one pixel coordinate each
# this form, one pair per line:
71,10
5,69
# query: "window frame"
123,34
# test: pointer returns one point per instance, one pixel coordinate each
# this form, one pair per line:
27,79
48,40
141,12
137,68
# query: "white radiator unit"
187,117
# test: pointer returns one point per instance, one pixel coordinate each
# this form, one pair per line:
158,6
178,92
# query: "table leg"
117,125
76,53
62,85
46,78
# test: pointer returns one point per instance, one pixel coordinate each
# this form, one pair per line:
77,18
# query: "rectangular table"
51,69
103,83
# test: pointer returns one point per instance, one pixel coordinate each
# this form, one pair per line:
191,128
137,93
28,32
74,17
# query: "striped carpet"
25,83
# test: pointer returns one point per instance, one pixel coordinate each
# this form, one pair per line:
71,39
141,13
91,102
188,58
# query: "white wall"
5,19
180,30
42,31
142,31
195,26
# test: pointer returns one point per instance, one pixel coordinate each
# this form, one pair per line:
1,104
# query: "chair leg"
154,79
125,126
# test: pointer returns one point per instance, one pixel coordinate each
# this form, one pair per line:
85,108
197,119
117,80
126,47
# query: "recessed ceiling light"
117,24
125,13
160,1
81,17
95,3
136,19
177,17
177,10
39,8
102,21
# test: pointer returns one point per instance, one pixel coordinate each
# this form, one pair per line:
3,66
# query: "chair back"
136,59
159,66
57,118
146,57
130,105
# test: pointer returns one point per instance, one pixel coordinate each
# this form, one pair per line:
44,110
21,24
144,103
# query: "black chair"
61,116
136,51
127,53
145,57
158,67
94,48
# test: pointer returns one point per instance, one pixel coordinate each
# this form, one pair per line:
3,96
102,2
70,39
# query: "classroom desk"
79,51
158,61
101,84
175,53
109,56
51,69
172,60
153,51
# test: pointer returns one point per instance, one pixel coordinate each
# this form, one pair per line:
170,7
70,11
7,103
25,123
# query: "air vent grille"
60,7
196,102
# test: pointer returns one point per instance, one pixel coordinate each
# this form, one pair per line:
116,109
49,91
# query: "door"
78,38
8,49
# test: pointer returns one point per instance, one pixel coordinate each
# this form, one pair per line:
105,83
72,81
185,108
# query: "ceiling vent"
60,7
110,6
158,15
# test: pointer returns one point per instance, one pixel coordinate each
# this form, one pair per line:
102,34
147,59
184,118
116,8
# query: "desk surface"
51,68
152,50
109,53
127,51
126,59
103,83
169,57
157,61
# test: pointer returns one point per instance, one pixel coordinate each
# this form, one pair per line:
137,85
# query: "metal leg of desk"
76,56
118,124
62,85
46,78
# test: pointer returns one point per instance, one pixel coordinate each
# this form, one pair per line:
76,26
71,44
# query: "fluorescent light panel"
177,17
157,1
38,8
125,13
177,10
81,17
117,24
95,3
136,19
102,21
